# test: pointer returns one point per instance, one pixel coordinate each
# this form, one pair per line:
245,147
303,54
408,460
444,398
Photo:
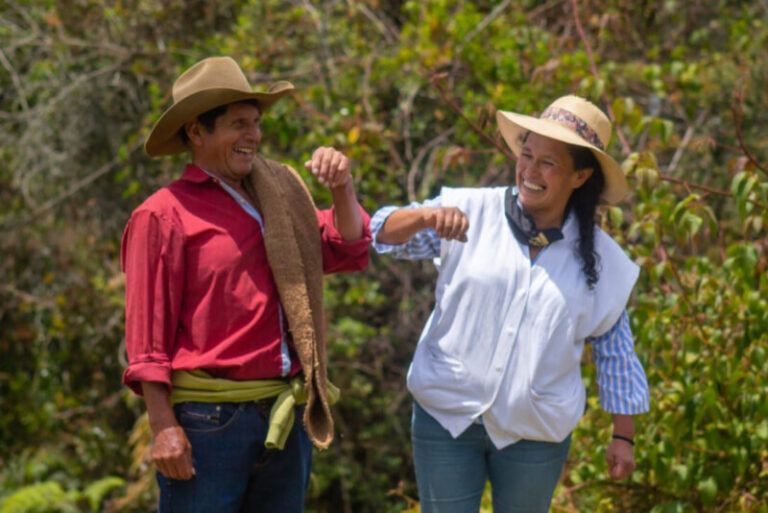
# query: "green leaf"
707,491
96,492
692,223
616,216
680,208
761,431
629,163
681,471
39,497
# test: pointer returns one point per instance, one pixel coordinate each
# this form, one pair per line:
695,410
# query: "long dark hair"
584,202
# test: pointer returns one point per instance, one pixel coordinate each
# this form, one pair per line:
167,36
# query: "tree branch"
705,188
625,145
325,50
407,107
385,27
736,108
15,79
495,13
685,141
72,190
39,302
419,157
453,105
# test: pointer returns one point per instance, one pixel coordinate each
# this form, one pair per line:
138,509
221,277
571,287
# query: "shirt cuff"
638,408
624,392
332,234
147,368
377,222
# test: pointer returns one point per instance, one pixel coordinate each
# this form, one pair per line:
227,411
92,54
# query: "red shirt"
199,291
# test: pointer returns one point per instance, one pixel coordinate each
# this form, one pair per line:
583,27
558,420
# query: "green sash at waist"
201,387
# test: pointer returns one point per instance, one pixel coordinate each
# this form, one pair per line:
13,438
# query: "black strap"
625,438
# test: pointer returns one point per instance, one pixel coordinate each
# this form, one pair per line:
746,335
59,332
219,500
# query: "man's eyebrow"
245,119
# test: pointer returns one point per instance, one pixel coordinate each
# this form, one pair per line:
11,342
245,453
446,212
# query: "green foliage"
39,498
96,492
83,81
50,497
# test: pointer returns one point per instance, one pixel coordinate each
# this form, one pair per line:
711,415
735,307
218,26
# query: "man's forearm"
158,405
347,217
171,450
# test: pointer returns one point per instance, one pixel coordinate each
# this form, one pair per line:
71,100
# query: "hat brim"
164,139
512,126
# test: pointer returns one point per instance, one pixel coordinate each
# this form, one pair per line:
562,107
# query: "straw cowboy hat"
210,83
572,120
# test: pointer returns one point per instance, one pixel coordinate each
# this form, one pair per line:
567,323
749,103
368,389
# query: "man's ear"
194,132
582,175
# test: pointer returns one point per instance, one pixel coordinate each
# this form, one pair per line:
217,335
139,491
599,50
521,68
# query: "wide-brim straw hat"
210,83
576,121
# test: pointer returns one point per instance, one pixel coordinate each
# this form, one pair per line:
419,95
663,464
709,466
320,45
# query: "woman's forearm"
403,224
624,425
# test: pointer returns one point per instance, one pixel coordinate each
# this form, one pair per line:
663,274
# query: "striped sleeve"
623,387
423,245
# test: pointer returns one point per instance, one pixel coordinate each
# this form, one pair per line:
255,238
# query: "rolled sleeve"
621,379
340,255
152,258
423,245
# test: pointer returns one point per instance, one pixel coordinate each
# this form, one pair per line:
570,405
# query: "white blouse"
505,338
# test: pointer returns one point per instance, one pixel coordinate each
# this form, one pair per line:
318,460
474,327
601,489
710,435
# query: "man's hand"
449,222
330,167
621,459
172,453
171,450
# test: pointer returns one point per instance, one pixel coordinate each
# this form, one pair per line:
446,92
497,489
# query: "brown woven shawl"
292,241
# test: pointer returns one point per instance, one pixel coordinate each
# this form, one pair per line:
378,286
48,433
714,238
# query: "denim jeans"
451,472
234,472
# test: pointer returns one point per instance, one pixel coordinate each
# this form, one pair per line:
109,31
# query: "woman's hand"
621,459
450,223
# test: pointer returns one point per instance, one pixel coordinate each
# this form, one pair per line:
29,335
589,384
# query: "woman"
525,277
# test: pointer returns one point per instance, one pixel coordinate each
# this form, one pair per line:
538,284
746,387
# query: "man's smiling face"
228,151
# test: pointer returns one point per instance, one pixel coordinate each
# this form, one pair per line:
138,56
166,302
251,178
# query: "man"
224,318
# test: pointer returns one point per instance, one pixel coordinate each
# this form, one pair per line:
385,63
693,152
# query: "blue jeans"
234,472
451,472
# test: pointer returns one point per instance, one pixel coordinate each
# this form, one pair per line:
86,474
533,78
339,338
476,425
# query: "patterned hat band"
575,123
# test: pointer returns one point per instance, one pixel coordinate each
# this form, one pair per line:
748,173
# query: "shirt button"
510,329
499,369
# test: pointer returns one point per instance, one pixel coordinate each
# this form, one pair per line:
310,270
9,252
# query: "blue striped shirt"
621,380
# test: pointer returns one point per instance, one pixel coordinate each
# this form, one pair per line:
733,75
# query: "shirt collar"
194,174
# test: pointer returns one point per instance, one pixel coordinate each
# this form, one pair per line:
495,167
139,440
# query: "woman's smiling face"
546,178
